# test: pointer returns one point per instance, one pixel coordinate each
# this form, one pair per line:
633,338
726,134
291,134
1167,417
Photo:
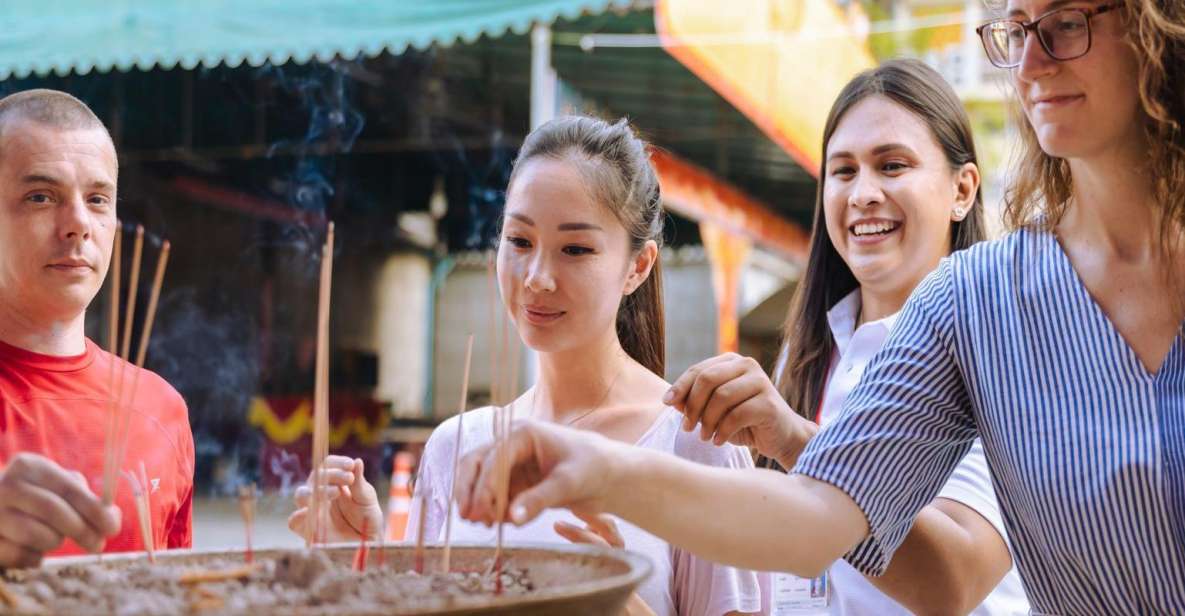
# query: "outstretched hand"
545,466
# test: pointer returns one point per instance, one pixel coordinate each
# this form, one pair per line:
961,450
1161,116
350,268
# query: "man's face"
57,218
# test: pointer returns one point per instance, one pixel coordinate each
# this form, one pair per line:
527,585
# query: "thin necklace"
599,404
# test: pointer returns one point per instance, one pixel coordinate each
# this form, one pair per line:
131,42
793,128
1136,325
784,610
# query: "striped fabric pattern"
1086,447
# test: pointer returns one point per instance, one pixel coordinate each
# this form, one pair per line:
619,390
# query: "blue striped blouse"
1086,447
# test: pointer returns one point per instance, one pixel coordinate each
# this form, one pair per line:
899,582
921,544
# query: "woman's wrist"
799,432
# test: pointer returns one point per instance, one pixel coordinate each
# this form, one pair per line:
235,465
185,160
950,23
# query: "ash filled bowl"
562,580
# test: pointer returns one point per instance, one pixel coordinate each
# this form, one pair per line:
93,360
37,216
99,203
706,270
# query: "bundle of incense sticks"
317,508
247,510
119,416
140,490
446,562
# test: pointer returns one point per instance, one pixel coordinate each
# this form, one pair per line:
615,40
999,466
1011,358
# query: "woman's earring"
960,213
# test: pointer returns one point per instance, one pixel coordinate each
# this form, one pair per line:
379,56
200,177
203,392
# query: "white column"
543,77
543,107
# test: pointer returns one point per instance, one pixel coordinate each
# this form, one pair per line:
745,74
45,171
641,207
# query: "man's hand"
732,400
41,504
352,502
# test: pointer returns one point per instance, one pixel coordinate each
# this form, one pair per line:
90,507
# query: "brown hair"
50,108
616,165
1041,189
807,340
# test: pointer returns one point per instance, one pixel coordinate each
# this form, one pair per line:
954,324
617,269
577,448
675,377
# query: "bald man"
58,176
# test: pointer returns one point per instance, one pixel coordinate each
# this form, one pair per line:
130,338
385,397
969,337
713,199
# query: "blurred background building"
244,127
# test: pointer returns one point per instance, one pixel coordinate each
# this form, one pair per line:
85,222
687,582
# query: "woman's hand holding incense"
352,502
732,400
41,504
736,517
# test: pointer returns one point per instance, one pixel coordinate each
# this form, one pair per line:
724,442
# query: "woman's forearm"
949,563
751,518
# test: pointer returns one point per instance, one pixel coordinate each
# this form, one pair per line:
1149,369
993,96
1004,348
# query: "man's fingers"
46,474
13,555
52,511
27,531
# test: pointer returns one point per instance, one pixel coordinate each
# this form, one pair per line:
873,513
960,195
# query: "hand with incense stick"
352,503
66,432
577,272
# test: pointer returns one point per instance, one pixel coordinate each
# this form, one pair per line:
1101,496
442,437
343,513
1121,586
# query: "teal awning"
80,36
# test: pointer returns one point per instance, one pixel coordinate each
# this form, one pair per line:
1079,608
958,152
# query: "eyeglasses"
1064,35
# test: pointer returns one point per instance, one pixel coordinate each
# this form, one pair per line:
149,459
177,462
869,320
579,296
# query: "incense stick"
492,298
321,390
360,555
139,492
448,516
421,494
504,461
158,277
133,284
247,510
112,349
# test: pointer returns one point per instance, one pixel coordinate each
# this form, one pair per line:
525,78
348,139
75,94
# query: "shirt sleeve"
903,429
181,531
703,587
434,481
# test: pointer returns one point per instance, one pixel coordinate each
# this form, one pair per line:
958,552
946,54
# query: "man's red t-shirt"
58,407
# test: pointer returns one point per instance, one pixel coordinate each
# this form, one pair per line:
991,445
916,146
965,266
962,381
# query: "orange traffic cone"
399,501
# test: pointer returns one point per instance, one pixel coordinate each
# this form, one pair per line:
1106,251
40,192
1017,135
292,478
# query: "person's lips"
71,265
1055,101
873,230
541,315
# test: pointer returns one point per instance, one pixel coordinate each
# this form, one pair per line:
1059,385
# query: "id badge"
795,596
